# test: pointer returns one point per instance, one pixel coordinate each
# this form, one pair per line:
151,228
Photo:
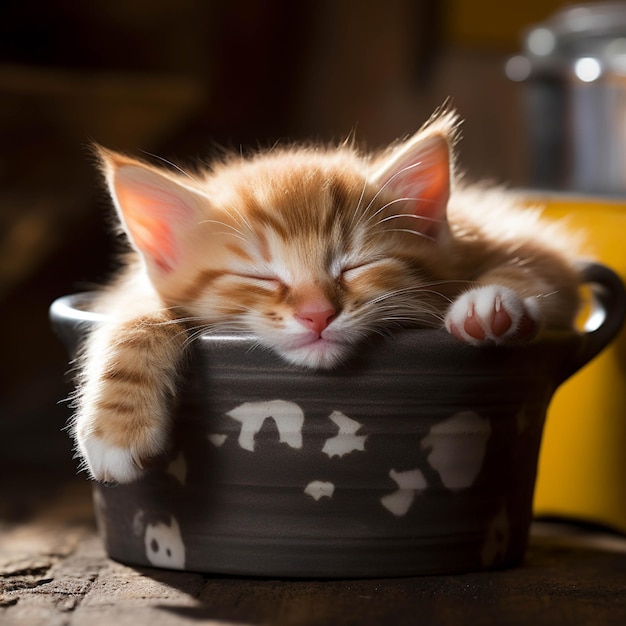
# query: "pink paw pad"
492,314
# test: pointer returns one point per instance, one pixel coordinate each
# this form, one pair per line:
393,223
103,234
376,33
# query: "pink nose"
316,320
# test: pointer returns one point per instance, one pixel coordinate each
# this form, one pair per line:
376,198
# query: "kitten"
312,250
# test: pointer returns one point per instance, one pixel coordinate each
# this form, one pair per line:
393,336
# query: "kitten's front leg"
493,314
126,386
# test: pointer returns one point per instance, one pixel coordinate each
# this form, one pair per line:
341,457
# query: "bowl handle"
608,312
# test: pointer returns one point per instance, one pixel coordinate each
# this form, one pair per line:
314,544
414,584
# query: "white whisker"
224,224
390,181
355,213
380,191
171,164
235,212
411,232
387,205
423,218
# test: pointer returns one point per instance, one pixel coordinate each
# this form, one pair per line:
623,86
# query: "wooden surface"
54,572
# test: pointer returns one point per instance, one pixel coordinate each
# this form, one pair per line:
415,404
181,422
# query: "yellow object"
582,465
493,23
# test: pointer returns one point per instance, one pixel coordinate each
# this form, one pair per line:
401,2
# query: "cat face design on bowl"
162,539
160,535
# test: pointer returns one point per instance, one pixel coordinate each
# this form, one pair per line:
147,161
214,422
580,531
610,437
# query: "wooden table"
53,572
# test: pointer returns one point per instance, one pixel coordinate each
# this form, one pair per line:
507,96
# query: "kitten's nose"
314,319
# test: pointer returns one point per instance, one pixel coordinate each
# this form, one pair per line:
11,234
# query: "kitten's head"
310,249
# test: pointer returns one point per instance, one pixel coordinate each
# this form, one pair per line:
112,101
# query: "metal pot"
573,67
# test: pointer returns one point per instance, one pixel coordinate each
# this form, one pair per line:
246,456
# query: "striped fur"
313,250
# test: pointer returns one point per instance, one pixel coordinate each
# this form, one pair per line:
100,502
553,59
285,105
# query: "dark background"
180,79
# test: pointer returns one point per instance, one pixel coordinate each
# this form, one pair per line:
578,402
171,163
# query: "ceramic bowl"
418,457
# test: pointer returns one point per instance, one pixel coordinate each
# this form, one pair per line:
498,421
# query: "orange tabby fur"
312,250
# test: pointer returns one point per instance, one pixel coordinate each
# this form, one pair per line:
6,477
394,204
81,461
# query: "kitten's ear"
420,171
155,210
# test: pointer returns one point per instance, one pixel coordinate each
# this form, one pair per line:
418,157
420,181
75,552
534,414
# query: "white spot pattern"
288,417
346,440
497,542
458,447
178,469
319,489
217,440
409,483
138,523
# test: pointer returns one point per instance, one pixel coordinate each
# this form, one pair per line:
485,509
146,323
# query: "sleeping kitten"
312,250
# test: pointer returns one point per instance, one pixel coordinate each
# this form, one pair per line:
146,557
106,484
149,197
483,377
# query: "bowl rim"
68,317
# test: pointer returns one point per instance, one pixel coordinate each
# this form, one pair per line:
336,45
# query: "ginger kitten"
313,250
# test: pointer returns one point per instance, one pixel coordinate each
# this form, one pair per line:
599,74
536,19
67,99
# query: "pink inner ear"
148,230
434,180
422,175
153,215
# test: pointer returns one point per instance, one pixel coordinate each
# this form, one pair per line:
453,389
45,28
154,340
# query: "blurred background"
181,79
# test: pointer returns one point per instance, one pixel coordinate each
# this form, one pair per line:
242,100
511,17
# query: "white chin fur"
107,463
317,355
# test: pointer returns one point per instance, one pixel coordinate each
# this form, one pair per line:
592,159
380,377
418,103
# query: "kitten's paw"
107,462
492,314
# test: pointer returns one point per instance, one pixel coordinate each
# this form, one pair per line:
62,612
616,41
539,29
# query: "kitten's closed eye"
349,272
267,280
355,270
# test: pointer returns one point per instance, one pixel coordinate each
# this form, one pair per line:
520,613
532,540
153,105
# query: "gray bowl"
419,457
